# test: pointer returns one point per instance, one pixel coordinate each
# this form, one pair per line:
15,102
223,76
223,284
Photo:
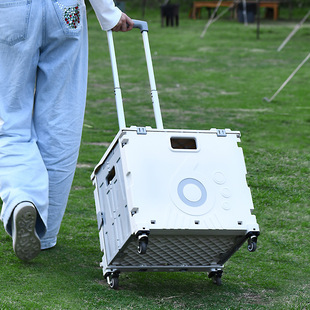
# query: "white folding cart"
170,200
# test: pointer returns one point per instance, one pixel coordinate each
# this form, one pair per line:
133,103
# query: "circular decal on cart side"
192,192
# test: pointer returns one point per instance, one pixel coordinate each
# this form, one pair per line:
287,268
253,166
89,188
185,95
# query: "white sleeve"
107,13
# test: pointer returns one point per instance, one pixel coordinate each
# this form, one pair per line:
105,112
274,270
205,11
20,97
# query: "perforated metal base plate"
176,253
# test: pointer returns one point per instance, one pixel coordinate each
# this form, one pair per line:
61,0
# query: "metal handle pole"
117,88
118,94
154,94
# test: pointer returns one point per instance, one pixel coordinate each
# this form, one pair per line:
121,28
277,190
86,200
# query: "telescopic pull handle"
142,25
117,88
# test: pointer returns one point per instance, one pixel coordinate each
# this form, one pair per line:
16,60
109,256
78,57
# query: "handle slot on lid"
181,143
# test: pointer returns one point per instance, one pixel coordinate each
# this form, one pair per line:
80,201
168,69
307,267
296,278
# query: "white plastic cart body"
171,200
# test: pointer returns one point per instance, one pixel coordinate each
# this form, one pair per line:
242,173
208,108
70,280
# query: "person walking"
43,81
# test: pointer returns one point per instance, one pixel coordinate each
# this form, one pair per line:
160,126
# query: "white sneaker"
26,242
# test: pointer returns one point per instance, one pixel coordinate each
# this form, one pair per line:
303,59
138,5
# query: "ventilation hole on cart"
110,175
178,143
197,222
239,222
153,222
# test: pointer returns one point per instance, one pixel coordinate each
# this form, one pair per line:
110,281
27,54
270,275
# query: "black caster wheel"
252,245
113,281
216,277
217,280
142,246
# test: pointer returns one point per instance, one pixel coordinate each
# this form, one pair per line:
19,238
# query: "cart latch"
141,131
221,132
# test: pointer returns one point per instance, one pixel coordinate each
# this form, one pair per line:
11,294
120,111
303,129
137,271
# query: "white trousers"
43,80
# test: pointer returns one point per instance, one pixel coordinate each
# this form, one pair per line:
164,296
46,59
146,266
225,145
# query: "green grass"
218,81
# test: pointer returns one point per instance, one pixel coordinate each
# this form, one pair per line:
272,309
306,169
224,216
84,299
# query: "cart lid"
145,130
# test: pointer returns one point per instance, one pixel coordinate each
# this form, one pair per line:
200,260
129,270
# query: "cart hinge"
221,132
141,131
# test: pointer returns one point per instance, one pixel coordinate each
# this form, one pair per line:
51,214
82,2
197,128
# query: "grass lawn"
215,82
